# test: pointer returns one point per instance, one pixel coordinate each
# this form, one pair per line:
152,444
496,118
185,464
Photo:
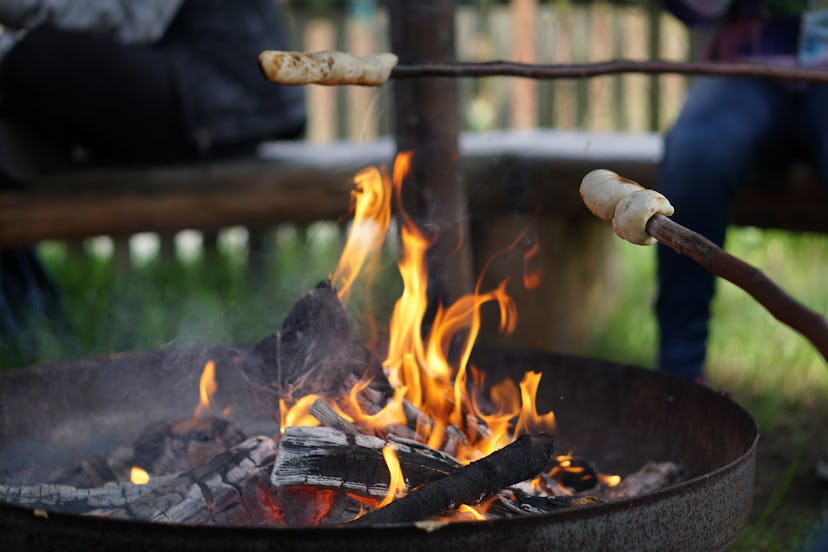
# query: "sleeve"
698,12
130,21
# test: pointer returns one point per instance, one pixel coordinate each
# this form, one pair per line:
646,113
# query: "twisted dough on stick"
626,203
329,68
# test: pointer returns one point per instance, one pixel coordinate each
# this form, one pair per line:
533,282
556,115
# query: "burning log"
225,490
523,459
325,457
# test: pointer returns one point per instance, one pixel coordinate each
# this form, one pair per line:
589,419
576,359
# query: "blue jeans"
728,128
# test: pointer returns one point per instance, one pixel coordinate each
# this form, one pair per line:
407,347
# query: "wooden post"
426,122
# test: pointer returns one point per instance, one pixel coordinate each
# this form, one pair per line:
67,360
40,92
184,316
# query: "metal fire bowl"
617,416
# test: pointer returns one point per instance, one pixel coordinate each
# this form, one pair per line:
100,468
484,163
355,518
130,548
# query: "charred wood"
314,352
325,457
181,445
323,412
522,459
652,476
73,500
227,490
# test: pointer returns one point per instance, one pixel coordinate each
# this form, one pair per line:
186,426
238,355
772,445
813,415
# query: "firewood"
181,445
74,500
652,476
328,458
515,502
314,352
323,412
225,490
523,459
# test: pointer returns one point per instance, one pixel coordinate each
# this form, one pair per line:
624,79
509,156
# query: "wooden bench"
530,171
514,180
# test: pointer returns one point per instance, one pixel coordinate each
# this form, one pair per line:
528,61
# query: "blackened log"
314,352
523,459
328,458
226,490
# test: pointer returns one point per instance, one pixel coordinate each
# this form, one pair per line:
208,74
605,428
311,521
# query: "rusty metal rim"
644,513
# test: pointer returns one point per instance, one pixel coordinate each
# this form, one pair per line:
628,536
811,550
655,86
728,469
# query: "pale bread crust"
626,203
328,68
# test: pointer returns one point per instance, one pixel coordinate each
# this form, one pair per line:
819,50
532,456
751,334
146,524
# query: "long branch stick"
782,306
587,70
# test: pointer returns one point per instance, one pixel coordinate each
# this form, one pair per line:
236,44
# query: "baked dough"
626,203
601,191
329,68
633,212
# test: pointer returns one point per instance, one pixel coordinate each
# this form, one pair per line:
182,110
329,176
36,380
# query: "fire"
207,387
139,476
298,414
396,485
609,480
430,372
372,213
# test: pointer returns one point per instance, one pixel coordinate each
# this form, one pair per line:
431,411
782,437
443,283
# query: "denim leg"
725,127
812,128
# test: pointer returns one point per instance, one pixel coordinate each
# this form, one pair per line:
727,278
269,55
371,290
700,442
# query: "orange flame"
372,213
396,485
139,476
298,414
429,372
207,387
609,480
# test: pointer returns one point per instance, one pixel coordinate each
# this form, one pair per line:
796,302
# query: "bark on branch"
588,70
782,306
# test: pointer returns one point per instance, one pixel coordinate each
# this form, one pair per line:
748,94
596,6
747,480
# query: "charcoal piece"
314,352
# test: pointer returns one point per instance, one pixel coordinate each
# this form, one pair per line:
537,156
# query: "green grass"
749,350
770,369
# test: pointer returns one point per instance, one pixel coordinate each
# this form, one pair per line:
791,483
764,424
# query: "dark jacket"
224,97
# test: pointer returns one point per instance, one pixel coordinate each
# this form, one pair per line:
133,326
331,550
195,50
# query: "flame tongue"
429,373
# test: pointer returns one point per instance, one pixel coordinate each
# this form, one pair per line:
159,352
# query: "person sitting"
727,128
127,82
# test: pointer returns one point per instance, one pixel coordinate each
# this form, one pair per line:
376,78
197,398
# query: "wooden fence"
557,31
521,30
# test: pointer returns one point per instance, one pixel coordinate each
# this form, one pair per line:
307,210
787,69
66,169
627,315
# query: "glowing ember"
139,476
609,480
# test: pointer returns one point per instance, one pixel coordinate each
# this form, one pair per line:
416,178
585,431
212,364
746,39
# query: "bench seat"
296,182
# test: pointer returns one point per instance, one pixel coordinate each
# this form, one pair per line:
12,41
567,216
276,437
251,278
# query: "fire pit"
619,416
425,402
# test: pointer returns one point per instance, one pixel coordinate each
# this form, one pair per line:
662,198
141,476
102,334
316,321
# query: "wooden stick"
522,459
588,70
782,306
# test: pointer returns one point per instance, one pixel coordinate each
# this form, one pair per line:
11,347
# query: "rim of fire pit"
705,511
